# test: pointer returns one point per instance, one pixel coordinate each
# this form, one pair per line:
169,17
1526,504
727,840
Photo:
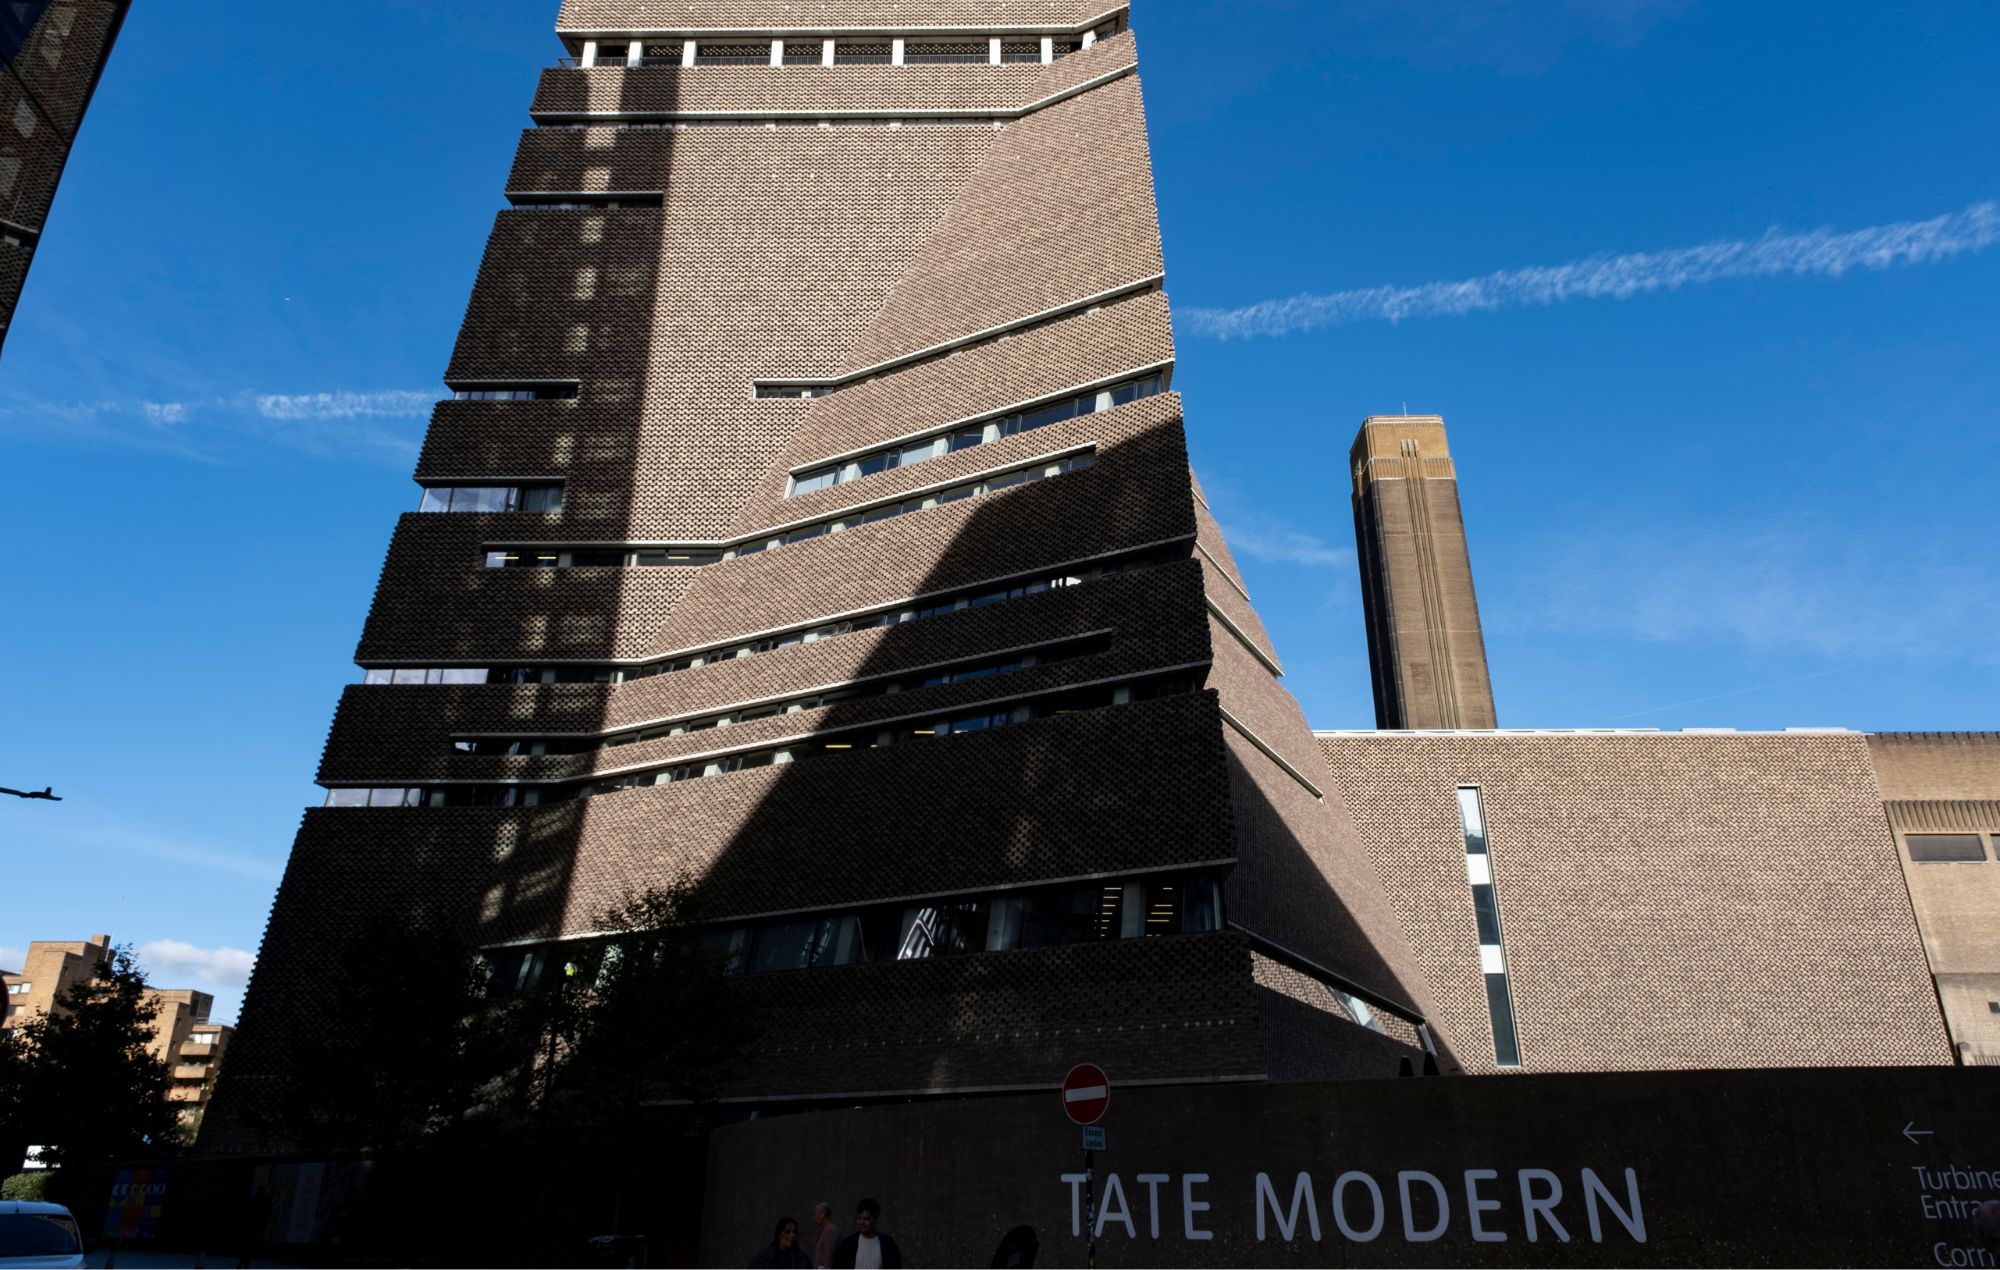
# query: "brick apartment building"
52,53
183,1037
812,515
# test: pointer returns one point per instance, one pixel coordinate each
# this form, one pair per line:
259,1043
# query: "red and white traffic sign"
1086,1093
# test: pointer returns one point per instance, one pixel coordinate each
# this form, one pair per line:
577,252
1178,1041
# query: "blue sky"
1754,501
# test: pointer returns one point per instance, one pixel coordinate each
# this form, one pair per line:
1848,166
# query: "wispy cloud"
1784,590
170,962
395,404
1265,540
103,836
369,426
1816,253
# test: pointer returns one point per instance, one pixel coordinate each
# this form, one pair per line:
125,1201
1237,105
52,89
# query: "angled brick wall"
1667,901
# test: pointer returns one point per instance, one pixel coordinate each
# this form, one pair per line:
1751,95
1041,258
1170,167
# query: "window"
1486,917
1935,848
580,557
861,53
803,52
19,989
1020,50
955,926
965,436
433,675
203,1038
872,737
733,54
516,392
492,498
964,672
934,52
604,674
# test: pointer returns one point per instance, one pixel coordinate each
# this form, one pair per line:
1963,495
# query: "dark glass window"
1487,909
1500,1000
1932,848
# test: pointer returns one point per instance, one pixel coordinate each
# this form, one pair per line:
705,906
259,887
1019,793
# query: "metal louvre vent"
934,52
732,55
861,53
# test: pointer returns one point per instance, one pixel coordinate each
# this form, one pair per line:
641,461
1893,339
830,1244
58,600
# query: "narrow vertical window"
1486,913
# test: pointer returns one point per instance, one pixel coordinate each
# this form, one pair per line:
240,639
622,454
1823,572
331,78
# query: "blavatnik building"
812,516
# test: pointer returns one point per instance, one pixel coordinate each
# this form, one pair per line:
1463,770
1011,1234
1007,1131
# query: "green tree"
650,1013
402,1051
84,1083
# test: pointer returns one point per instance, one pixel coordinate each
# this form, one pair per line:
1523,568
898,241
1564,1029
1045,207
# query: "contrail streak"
1818,253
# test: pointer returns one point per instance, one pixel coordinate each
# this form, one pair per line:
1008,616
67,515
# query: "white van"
37,1235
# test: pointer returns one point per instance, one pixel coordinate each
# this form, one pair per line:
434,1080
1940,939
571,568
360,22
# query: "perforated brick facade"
1666,900
936,278
52,53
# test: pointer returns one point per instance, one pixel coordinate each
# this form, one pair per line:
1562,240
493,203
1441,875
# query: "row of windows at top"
861,51
975,597
1041,917
962,672
876,736
661,557
905,453
1942,848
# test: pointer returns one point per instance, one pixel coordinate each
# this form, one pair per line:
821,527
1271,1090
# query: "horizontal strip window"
754,121
963,672
515,392
1007,921
546,497
872,50
1941,848
586,674
583,202
776,387
969,436
873,737
681,557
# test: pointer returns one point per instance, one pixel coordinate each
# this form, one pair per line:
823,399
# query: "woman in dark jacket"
784,1252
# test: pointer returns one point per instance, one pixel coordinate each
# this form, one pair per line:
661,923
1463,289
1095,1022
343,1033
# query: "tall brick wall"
938,274
1667,901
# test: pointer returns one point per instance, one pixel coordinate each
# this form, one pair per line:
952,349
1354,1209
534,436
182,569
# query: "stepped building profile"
812,516
52,53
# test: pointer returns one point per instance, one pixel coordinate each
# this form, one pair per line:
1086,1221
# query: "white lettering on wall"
1114,1191
1545,1205
1410,1231
1475,1204
1190,1206
1302,1193
1340,1185
1632,1219
1075,1181
1151,1181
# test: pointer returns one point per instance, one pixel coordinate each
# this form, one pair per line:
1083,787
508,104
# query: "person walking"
784,1252
867,1248
829,1236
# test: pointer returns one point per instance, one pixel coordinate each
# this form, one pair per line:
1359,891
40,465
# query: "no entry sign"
1086,1093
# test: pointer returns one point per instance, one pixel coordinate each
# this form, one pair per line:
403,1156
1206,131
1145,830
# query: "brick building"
812,515
183,1037
52,53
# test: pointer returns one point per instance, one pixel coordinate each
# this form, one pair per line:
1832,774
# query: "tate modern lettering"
1412,1206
